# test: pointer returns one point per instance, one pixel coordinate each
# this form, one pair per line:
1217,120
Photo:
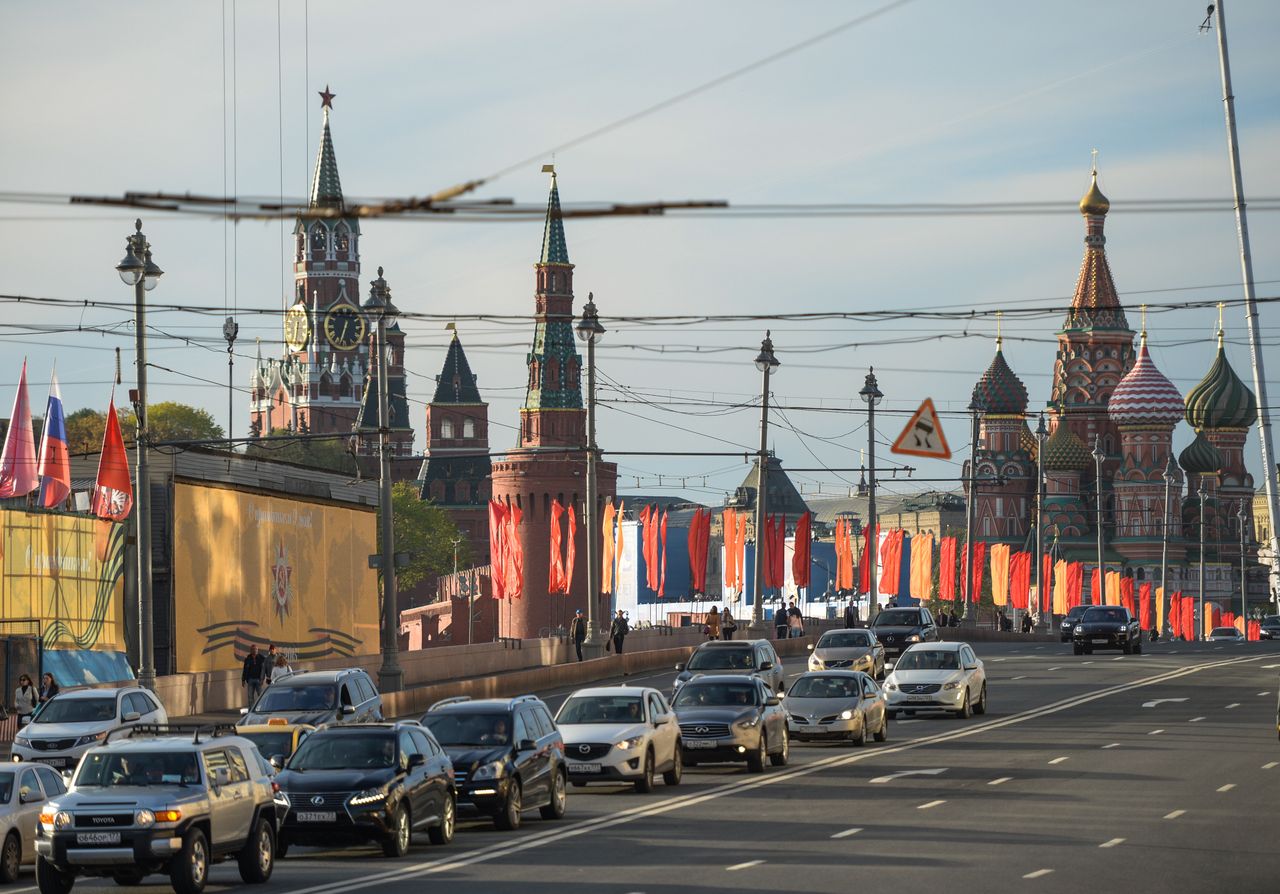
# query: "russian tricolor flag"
55,464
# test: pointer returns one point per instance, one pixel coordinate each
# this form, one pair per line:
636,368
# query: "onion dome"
1144,396
1094,202
1221,400
1065,452
999,391
1200,457
1027,441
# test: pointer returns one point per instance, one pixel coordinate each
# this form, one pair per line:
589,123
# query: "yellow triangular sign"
923,435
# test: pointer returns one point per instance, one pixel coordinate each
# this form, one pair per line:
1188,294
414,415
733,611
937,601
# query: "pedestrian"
251,673
269,664
780,620
48,688
795,621
281,668
893,602
1027,624
942,618
24,700
578,631
850,616
618,631
712,625
727,624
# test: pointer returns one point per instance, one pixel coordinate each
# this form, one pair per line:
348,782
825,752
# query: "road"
1068,781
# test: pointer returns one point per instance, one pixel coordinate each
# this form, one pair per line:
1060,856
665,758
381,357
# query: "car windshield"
345,751
1225,631
6,787
1075,613
77,710
602,709
115,768
826,687
694,695
927,659
270,744
723,659
844,639
454,728
1108,615
280,697
898,617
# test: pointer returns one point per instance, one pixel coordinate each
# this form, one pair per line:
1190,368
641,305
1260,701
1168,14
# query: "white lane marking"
1112,745
1001,781
747,865
1112,843
1058,760
1264,693
1233,705
1270,765
930,804
1267,667
880,780
1226,788
997,659
1174,814
1118,658
1058,668
1038,873
1195,720
1156,702
846,833
1155,732
1019,677
678,802
1086,662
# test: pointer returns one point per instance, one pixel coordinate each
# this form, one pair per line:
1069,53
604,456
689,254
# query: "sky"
929,101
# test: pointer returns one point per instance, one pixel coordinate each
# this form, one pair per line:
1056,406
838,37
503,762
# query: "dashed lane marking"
846,833
880,780
1019,677
1086,662
1267,667
1038,873
1118,658
1112,745
1233,705
1226,788
1058,760
1270,765
747,865
1112,843
930,804
1058,668
1174,814
1195,720
1264,693
1155,732
1001,781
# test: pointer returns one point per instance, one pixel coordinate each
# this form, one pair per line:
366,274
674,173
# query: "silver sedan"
836,705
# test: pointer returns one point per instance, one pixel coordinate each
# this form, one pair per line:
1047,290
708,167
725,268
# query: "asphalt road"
1157,772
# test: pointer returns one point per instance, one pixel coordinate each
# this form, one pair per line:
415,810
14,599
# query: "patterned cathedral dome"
999,391
1200,457
1065,452
1144,396
1221,400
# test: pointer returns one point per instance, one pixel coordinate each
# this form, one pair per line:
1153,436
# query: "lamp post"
390,676
1098,457
138,270
871,396
766,362
591,331
1164,543
1041,434
970,511
1244,580
1199,631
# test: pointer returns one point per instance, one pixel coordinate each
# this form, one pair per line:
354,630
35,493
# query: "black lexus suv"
508,756
355,783
1106,627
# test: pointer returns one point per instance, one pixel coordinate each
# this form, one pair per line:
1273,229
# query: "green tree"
426,533
84,430
170,421
329,454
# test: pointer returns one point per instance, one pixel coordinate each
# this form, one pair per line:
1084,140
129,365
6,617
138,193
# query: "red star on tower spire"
326,98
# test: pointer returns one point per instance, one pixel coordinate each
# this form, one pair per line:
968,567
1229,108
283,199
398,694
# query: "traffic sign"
923,435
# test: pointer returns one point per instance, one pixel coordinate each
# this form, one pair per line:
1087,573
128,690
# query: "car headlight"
368,796
62,820
144,819
1122,630
89,740
954,684
489,771
22,740
815,663
846,714
891,686
748,722
633,742
913,638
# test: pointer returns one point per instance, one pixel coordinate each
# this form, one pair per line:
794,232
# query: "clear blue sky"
933,101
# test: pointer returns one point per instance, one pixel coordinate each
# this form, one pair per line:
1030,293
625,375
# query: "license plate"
1099,639
317,816
699,743
97,838
59,762
575,767
918,698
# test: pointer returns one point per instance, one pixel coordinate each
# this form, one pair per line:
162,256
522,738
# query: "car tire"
981,706
442,832
882,734
189,870
1137,648
559,798
128,878
755,760
508,820
258,857
397,843
966,710
784,754
644,784
10,858
676,773
860,738
52,880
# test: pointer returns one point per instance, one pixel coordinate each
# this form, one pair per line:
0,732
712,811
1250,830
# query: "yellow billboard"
67,573
251,569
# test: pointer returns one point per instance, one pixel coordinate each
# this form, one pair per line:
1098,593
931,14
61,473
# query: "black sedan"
376,782
1106,627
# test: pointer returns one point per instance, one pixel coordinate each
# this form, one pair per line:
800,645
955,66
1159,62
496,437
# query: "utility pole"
1169,474
766,362
871,396
465,591
1098,457
1199,631
1244,575
971,513
590,331
1250,299
230,329
1047,614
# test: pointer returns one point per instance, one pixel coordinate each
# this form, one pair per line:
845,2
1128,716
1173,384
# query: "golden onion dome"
1094,202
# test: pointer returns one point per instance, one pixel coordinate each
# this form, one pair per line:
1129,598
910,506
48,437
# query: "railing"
8,728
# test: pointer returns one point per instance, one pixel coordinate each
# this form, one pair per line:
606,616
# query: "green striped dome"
1200,457
999,391
1065,452
1221,400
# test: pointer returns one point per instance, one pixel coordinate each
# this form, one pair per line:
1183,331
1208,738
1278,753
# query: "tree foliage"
426,533
170,421
329,454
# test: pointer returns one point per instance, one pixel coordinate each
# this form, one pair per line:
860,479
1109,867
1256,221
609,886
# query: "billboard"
249,568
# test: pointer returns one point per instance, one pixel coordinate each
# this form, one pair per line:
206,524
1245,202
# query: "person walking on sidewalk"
251,673
269,664
578,632
48,688
727,624
780,621
281,669
850,616
24,700
618,631
712,627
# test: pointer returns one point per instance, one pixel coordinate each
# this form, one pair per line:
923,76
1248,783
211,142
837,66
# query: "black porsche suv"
508,756
1106,627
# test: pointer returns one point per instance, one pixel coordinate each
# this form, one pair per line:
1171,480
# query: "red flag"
1075,583
649,520
1020,579
801,558
113,492
1144,606
1188,616
571,548
497,547
844,556
19,471
555,567
1046,584
662,579
740,551
1126,594
1175,613
974,593
1095,588
698,540
947,569
513,564
891,563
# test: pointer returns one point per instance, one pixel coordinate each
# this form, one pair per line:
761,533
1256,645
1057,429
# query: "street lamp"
1041,434
766,362
971,510
1199,630
591,331
137,269
1244,580
1169,474
1098,457
379,306
871,396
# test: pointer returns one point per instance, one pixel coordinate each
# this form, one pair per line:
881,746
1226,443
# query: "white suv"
71,723
620,734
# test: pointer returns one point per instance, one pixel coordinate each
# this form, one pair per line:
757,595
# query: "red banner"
571,548
498,548
801,556
1144,606
891,563
973,593
1126,595
1020,580
1075,584
555,564
947,569
1046,584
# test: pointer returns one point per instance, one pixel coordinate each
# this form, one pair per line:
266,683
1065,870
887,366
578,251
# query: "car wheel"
52,880
559,798
859,738
780,759
644,784
966,710
189,871
882,734
10,858
442,832
509,818
397,843
755,760
981,706
674,775
128,878
1137,648
258,856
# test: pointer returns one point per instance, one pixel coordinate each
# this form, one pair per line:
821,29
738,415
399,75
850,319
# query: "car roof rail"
520,699
140,730
454,700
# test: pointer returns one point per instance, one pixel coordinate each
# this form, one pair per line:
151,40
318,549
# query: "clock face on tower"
344,327
297,328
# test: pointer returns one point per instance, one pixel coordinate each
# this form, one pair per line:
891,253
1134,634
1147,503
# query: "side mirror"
772,700
276,761
810,647
766,665
221,777
417,760
348,710
26,796
131,716
244,711
971,667
527,745
888,667
680,667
